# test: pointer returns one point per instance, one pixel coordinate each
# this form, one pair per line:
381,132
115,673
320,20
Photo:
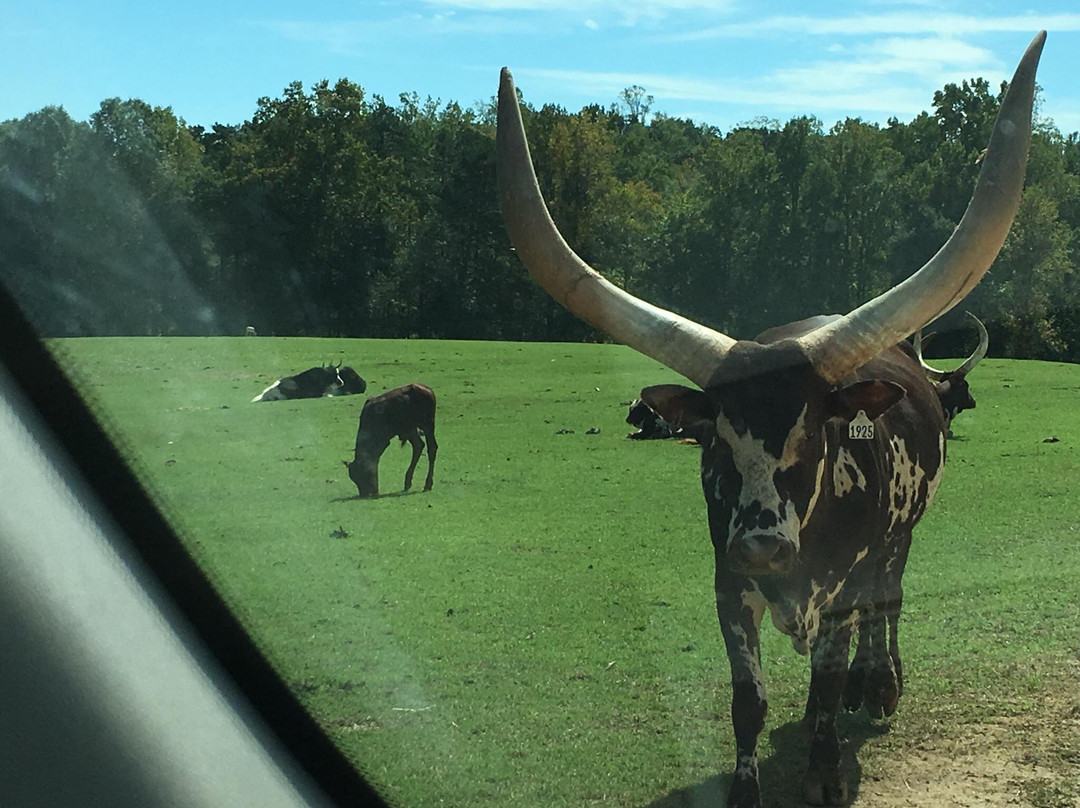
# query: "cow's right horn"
683,345
849,342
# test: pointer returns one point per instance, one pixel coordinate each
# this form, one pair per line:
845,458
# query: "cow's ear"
873,397
680,406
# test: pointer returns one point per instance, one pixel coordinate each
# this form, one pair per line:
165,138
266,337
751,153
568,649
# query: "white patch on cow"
754,600
935,480
803,623
847,476
819,476
907,475
794,442
271,393
757,468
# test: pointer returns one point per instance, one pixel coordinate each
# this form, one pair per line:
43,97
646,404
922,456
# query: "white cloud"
643,7
895,24
793,90
627,12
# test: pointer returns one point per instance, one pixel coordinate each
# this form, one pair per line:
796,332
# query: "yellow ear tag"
860,427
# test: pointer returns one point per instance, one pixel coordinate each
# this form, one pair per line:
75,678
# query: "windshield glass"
432,495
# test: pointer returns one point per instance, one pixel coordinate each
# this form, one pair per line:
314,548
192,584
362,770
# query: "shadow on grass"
389,495
782,772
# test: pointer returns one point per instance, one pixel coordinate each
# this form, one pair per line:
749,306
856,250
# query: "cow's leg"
892,604
880,690
740,626
894,645
432,450
417,448
860,665
871,678
825,784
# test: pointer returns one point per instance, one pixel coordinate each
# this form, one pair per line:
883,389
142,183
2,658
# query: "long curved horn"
980,352
682,345
932,373
851,341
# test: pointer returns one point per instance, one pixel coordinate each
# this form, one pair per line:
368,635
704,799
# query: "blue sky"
717,61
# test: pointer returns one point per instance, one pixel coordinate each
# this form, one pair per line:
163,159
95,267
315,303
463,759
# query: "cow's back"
399,411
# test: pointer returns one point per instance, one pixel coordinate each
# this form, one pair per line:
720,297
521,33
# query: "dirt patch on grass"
1031,760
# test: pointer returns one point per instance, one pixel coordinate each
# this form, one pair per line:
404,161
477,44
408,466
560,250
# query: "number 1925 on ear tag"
861,427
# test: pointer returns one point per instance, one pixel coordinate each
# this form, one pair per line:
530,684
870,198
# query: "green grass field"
540,629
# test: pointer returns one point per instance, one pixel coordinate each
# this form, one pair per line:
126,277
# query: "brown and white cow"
405,412
823,441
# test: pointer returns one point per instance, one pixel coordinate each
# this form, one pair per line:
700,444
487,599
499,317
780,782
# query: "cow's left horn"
932,373
980,352
851,341
683,345
968,365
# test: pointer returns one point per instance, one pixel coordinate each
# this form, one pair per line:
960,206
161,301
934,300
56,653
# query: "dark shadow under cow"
405,412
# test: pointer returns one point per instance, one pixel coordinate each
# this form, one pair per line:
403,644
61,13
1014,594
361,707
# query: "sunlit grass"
540,628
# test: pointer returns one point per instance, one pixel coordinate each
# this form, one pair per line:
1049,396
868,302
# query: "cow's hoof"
825,789
744,793
853,690
882,693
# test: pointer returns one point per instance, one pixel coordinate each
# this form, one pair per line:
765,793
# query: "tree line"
333,213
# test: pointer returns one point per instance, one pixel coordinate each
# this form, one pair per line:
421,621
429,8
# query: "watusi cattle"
351,383
406,412
312,383
823,441
650,426
955,396
952,385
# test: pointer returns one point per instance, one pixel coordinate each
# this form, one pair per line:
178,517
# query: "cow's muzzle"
761,554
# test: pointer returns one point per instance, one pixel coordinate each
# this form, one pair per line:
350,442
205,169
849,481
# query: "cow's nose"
763,553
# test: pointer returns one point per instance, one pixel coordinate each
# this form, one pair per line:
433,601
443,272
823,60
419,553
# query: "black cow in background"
327,380
405,412
649,424
951,385
351,383
312,383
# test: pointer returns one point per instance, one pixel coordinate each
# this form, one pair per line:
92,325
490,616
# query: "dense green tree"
332,212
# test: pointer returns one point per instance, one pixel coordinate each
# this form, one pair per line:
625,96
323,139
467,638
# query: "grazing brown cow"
405,412
823,442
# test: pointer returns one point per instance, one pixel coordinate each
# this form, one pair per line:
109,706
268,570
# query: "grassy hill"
540,628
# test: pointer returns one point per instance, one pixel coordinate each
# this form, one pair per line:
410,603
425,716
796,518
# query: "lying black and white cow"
312,383
649,424
351,383
328,380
